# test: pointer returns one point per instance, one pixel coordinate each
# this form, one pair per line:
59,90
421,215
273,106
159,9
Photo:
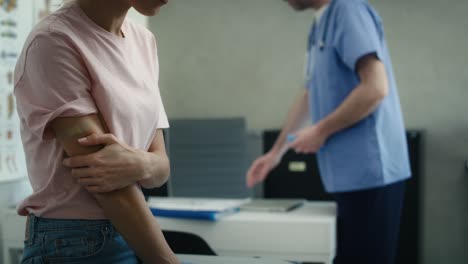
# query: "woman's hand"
113,167
309,140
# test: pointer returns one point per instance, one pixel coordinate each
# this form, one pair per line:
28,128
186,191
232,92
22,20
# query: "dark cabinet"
297,176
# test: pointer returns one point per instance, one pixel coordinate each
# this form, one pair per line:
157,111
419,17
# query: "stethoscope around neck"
323,39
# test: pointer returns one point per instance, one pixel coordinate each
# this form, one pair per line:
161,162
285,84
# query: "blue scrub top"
373,152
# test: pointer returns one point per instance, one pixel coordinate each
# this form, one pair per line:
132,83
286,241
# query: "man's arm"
126,208
363,100
260,168
296,117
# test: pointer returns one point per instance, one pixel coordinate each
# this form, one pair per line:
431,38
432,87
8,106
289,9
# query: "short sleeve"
54,83
357,33
162,117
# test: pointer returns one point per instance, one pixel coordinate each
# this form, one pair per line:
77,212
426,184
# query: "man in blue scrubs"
357,132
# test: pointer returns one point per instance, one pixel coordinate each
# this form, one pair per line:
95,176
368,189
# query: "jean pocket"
33,260
74,244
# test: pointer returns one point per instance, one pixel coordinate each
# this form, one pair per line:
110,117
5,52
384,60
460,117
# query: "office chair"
213,151
186,243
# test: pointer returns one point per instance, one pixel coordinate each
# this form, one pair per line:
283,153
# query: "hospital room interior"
228,74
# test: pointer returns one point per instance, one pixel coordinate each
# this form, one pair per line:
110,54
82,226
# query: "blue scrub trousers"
368,225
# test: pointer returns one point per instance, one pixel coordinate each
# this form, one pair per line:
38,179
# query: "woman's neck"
108,14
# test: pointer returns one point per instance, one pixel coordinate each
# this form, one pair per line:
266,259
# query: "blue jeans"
50,241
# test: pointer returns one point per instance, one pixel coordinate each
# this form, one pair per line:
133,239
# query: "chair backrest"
187,243
208,158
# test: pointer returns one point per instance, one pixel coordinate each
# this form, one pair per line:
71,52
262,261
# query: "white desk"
194,259
304,235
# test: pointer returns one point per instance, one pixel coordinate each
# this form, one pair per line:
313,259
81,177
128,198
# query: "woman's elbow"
165,173
160,178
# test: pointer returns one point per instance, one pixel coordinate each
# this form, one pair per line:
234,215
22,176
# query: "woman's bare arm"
157,171
126,208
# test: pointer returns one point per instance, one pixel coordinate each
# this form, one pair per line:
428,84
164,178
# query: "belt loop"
31,226
27,230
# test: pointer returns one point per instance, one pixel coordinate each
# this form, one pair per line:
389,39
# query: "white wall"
231,58
222,58
428,40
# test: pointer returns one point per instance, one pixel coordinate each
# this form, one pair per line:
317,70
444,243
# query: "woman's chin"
151,12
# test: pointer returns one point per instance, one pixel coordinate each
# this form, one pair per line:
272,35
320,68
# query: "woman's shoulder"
55,23
51,31
48,40
46,36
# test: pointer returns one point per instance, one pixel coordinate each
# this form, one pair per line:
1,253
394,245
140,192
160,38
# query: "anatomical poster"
16,21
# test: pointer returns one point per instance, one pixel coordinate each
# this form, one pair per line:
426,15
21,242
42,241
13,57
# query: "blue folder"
202,215
195,208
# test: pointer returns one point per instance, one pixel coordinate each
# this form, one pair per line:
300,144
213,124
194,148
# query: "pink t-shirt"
71,67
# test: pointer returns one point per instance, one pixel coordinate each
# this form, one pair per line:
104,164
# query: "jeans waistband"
39,224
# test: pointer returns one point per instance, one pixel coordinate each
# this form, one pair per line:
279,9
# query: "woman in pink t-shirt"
91,113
